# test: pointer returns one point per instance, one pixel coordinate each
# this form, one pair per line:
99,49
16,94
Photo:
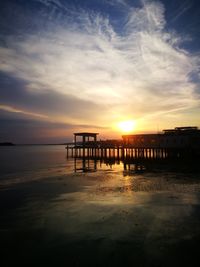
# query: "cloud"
118,3
184,7
22,127
83,63
53,106
11,109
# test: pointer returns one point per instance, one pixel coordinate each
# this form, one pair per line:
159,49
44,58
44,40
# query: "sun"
126,126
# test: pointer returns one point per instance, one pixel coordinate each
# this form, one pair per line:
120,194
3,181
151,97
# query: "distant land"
12,144
7,144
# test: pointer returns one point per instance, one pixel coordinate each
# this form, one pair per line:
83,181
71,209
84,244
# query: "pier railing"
119,150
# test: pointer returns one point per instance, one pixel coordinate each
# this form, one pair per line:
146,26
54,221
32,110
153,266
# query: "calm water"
104,214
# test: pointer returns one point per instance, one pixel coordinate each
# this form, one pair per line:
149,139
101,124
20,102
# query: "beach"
105,215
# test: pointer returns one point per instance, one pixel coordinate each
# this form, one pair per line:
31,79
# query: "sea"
63,211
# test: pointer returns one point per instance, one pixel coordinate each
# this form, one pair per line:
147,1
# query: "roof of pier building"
189,130
86,134
182,130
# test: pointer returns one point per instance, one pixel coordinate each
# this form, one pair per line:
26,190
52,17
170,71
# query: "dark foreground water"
143,214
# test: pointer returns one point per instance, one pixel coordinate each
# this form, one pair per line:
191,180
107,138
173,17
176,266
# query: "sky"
86,65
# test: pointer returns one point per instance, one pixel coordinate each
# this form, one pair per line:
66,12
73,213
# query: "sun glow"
126,126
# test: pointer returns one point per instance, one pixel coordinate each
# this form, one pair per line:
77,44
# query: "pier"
180,142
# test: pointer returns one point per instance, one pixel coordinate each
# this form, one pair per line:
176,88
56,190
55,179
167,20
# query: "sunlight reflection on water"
63,207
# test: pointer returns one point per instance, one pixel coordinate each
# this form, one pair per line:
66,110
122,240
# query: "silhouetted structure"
172,143
179,137
85,137
7,144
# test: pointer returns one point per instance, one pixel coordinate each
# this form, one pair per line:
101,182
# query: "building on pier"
86,138
179,137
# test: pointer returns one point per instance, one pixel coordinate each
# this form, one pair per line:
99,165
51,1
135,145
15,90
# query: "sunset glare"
127,126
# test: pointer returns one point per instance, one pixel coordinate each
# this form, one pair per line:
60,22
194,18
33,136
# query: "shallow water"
104,214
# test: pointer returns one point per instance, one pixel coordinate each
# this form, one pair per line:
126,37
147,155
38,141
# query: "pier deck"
181,142
97,150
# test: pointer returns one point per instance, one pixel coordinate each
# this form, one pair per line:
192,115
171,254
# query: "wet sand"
54,217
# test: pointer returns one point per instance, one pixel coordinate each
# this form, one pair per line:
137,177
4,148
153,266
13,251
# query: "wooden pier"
123,149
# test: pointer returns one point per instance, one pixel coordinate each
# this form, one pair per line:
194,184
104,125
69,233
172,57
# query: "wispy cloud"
138,70
184,7
11,109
